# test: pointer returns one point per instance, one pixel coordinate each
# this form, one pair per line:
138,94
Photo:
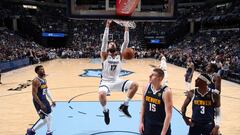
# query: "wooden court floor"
17,111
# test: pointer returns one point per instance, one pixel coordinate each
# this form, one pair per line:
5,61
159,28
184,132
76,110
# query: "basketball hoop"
129,24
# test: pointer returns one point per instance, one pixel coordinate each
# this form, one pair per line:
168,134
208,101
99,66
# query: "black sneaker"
50,133
106,117
123,108
30,132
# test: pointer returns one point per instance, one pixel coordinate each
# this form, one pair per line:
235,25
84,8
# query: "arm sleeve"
217,116
105,40
49,95
126,41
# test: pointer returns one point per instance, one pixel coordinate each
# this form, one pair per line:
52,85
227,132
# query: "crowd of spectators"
218,46
51,19
15,47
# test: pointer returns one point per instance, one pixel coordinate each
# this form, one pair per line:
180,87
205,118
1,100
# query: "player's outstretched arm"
105,40
126,39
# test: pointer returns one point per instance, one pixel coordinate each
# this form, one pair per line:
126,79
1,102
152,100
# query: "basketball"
128,53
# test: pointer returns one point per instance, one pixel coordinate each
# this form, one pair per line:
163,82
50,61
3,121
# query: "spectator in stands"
0,76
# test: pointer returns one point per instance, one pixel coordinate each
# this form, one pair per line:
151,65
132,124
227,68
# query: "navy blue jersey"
203,107
154,113
42,89
212,84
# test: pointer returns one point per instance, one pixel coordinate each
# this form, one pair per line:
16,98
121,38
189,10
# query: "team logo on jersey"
159,94
98,72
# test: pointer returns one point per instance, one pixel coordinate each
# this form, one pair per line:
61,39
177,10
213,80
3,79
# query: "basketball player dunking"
43,108
111,67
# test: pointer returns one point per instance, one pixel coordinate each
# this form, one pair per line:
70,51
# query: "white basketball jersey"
111,68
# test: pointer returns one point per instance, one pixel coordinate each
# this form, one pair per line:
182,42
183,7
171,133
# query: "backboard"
106,9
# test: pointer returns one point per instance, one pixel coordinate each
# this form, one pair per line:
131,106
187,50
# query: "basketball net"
126,7
129,24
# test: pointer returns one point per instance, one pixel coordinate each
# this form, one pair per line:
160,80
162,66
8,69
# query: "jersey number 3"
202,109
113,67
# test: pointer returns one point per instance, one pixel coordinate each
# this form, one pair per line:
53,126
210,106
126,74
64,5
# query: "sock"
48,118
105,108
127,101
40,124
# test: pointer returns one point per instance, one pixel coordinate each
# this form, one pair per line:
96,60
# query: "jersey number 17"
113,67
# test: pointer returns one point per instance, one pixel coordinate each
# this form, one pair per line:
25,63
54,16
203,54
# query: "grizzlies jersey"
111,68
203,107
42,89
154,113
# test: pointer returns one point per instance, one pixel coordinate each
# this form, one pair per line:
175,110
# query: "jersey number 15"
152,107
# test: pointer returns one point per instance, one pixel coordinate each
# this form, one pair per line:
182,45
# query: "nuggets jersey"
212,85
154,113
42,89
111,68
203,107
